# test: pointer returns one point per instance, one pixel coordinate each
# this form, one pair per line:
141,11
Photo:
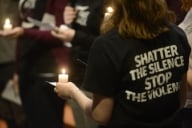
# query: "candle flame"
7,25
63,71
7,21
109,9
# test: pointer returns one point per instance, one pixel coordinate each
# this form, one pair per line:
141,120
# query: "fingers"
58,35
1,33
54,33
61,95
56,29
6,34
69,15
55,90
13,33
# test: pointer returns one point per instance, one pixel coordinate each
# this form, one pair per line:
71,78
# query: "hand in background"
189,77
15,83
13,33
69,15
66,35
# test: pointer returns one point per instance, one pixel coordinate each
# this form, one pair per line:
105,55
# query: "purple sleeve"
44,36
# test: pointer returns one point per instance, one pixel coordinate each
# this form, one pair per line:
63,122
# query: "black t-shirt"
143,76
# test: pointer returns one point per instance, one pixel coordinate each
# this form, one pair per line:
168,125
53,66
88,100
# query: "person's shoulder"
110,35
110,32
180,35
106,38
177,31
175,28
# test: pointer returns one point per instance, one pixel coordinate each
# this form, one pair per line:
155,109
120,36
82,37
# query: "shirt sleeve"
44,36
83,39
101,75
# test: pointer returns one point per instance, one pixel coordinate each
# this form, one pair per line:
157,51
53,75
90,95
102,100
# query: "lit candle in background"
109,11
7,25
63,77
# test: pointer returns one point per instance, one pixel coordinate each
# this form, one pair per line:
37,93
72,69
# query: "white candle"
7,25
63,77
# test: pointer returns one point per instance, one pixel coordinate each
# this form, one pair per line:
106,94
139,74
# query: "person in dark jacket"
186,25
84,17
85,23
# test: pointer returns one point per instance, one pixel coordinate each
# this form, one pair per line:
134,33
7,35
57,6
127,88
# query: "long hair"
142,19
186,4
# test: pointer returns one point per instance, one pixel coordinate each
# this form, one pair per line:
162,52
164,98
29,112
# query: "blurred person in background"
186,25
10,112
84,18
40,58
176,7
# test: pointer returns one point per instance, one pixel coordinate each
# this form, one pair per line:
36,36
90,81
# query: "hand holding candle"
7,26
63,77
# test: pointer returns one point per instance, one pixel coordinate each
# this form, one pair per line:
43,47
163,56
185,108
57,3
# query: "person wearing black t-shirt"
136,68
